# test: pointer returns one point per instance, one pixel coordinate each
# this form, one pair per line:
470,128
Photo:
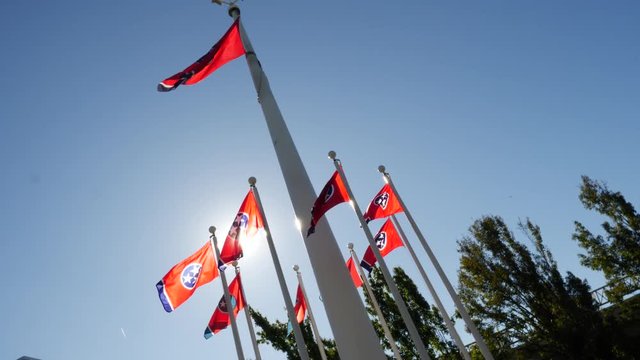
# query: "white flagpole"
297,332
456,299
227,297
402,307
353,332
374,302
247,309
316,333
436,298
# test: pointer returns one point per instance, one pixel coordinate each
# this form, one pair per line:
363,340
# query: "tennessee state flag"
220,318
384,204
300,309
387,240
246,224
228,48
357,281
333,193
185,277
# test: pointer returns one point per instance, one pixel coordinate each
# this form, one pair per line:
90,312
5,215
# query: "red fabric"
355,277
333,193
220,318
387,240
384,204
185,277
245,226
300,309
228,48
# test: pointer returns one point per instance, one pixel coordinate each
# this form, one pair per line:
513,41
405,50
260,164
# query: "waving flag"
384,204
355,277
228,48
300,309
185,277
220,318
333,193
387,239
245,225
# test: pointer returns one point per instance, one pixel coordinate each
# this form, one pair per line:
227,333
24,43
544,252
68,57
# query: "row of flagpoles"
209,262
201,267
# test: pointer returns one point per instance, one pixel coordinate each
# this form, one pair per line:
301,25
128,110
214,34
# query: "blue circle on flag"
190,275
222,305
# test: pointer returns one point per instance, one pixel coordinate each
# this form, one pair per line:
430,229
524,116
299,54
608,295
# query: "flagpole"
353,332
227,297
432,290
247,309
297,332
374,302
312,319
402,307
456,299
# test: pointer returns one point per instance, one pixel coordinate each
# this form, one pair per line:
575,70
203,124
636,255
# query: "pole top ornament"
332,155
350,246
252,181
212,230
296,268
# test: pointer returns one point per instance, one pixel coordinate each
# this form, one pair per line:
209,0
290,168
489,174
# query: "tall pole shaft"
247,309
312,319
376,306
227,299
297,332
402,307
436,264
352,330
432,290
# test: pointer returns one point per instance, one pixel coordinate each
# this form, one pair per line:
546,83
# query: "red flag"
220,318
245,225
355,277
300,309
228,48
384,204
184,278
333,193
387,239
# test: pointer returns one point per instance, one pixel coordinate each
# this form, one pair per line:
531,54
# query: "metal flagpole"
436,298
376,306
456,299
353,332
316,333
402,307
297,332
247,309
227,297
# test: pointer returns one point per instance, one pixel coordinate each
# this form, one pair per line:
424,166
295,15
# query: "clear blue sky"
492,107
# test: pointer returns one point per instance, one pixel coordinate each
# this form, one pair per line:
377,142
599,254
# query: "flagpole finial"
252,181
382,169
296,268
350,246
212,230
332,155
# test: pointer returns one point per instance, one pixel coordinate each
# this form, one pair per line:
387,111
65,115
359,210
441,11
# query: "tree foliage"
277,335
426,317
520,300
617,253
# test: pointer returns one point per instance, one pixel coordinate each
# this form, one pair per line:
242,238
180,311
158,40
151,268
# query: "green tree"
426,317
277,335
431,327
520,300
617,254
